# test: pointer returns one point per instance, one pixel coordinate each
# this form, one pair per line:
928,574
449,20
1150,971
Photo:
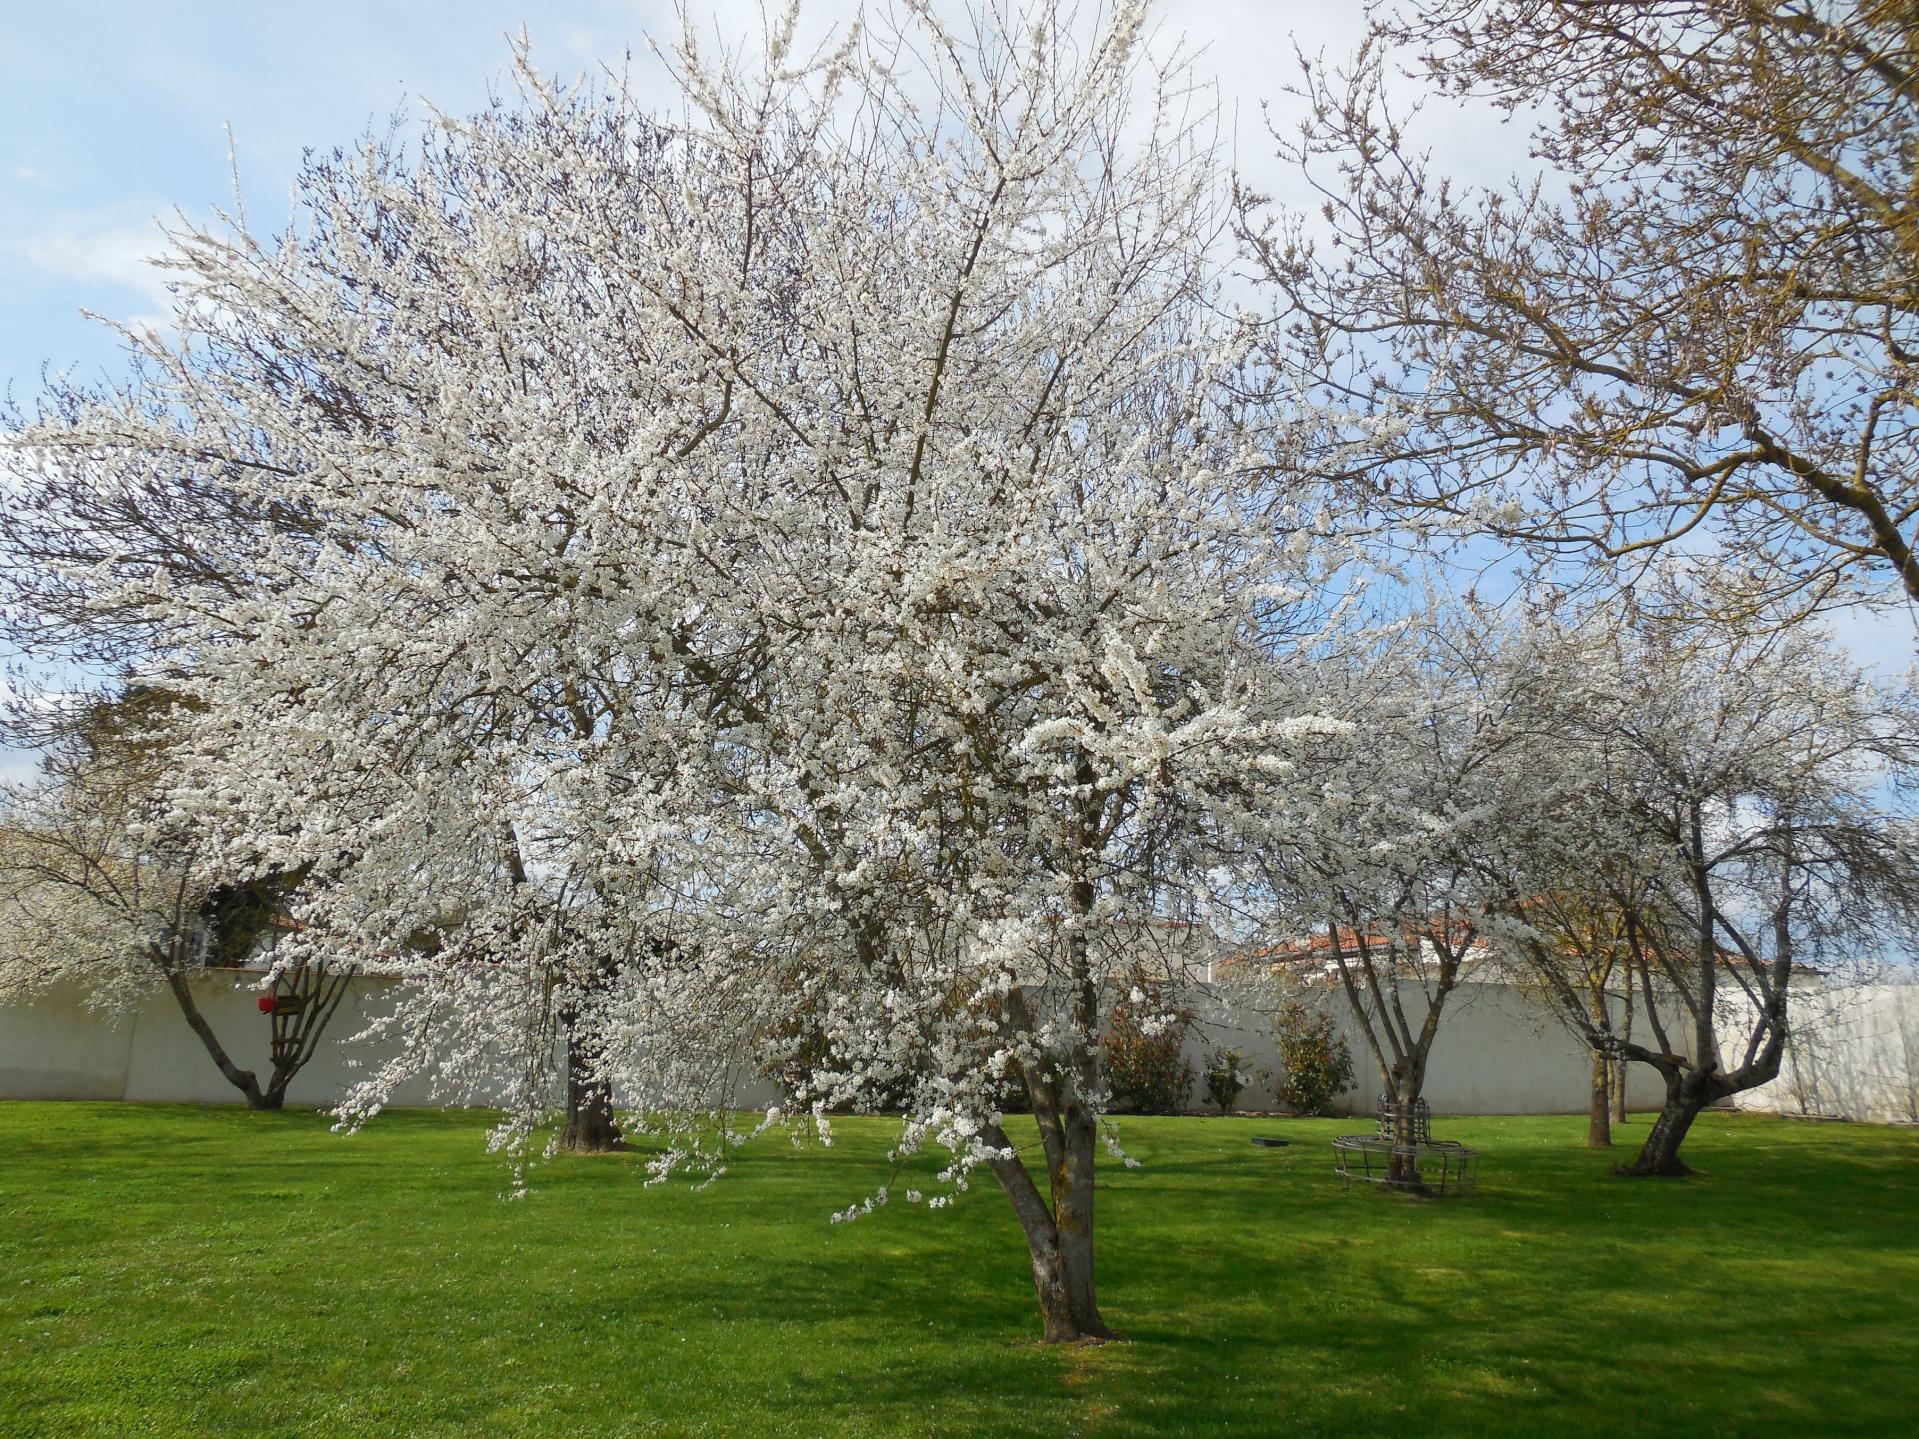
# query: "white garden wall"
58,1048
1498,1051
1853,1054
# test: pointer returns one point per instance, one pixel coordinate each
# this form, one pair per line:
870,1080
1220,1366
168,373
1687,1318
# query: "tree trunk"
1057,1324
305,1000
1073,1215
241,1079
1599,1117
1686,1095
590,1127
1402,1167
1403,1085
1619,1070
1062,1262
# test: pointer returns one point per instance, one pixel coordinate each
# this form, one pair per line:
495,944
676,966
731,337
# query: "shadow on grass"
181,1271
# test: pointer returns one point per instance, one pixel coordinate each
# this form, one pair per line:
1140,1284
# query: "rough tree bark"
590,1127
1059,1234
1599,1115
1687,1092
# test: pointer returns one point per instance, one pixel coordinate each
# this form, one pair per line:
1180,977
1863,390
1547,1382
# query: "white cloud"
96,251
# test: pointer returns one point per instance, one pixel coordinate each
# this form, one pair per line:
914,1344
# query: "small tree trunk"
1619,1070
1402,1167
1599,1117
276,1090
1686,1095
1599,1101
1403,1083
1073,1216
241,1079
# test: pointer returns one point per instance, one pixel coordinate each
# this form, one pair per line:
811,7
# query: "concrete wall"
58,1048
1853,1054
1498,1051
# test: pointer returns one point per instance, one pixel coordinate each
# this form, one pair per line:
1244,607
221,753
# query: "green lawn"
174,1271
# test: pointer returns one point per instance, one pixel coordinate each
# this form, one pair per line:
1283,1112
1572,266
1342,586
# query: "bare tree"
1697,318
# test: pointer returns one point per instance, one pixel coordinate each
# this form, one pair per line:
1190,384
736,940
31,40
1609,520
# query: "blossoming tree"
1373,833
810,553
1732,805
99,890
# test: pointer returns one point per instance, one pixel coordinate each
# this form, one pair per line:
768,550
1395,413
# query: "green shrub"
1315,1060
1226,1076
1140,1052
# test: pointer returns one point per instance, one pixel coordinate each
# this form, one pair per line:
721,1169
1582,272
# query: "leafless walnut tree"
1697,317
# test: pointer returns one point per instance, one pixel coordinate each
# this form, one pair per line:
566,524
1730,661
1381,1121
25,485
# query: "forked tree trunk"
1059,1239
1687,1092
305,1000
318,994
1059,1235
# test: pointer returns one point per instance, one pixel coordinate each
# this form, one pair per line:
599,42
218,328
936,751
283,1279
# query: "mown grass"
176,1271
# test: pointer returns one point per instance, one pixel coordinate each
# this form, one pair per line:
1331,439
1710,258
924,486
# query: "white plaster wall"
169,1064
1853,1054
56,1048
1498,1050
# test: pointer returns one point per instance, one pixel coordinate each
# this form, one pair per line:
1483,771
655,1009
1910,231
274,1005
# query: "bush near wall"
1315,1061
1146,1072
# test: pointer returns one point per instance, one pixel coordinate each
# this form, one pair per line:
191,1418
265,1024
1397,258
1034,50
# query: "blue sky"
114,113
